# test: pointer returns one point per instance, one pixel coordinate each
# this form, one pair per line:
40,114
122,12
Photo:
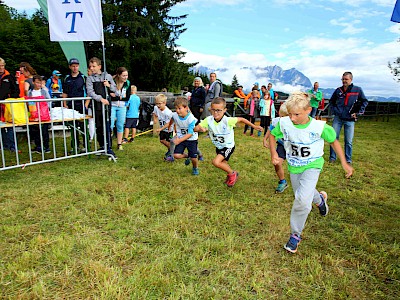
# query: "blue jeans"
118,114
348,137
313,112
8,138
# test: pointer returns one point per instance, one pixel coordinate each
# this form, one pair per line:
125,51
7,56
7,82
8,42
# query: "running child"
280,149
186,137
220,128
303,139
162,115
132,115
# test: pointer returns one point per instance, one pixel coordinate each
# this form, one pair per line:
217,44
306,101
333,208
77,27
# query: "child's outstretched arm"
275,159
265,140
167,125
339,152
247,122
198,128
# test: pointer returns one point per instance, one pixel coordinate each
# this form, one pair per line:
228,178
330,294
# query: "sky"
321,39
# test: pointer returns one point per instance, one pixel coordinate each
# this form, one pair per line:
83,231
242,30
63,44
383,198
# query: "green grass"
145,229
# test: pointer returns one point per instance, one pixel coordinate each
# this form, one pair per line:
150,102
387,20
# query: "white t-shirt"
164,116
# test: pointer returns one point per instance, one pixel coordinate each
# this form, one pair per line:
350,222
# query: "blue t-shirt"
134,104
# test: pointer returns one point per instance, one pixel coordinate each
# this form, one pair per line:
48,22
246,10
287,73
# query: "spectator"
98,85
119,102
238,93
274,95
132,115
28,73
40,136
348,102
197,99
75,87
214,91
8,89
316,97
54,79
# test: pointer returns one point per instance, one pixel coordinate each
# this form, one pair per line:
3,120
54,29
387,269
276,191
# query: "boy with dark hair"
185,137
98,85
221,133
40,135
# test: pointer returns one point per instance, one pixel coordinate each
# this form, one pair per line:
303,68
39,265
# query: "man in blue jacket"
347,102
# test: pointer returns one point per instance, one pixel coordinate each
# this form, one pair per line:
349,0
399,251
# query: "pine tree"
141,35
235,82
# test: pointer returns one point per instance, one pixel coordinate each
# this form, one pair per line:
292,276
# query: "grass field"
142,228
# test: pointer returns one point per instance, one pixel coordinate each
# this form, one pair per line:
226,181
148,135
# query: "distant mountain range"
293,77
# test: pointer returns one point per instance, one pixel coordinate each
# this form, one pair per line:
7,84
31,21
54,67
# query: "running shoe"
232,178
281,187
323,206
293,243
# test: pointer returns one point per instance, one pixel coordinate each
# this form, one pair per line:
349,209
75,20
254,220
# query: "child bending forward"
303,139
221,132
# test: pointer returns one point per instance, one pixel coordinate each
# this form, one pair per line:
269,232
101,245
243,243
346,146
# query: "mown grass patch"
142,228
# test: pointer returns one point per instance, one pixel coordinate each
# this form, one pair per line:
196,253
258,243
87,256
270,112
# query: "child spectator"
132,115
39,135
221,132
267,111
185,137
162,115
251,107
96,85
303,139
280,149
53,80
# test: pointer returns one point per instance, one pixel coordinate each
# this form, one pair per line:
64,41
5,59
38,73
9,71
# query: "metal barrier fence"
18,136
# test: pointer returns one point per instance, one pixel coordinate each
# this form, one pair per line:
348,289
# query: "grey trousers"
305,194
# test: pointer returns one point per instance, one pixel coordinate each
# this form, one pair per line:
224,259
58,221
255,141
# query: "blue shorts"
225,152
131,122
281,151
190,145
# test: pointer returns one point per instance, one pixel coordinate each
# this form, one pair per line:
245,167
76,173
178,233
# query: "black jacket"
8,86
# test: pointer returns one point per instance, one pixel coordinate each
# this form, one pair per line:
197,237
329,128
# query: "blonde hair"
2,61
133,89
298,99
161,98
181,101
283,112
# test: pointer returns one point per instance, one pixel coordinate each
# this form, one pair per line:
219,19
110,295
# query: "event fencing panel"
68,133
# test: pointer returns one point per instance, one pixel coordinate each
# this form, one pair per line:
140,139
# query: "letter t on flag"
75,20
396,13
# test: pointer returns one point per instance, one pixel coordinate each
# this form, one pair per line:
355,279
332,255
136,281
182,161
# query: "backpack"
221,88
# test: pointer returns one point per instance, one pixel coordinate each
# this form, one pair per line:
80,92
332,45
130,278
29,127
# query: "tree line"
140,35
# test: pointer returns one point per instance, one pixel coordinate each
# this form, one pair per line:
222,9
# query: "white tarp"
75,20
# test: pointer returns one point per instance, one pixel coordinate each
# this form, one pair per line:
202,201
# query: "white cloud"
367,62
349,27
22,4
394,29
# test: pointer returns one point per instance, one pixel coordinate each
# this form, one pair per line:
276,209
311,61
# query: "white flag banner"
75,20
